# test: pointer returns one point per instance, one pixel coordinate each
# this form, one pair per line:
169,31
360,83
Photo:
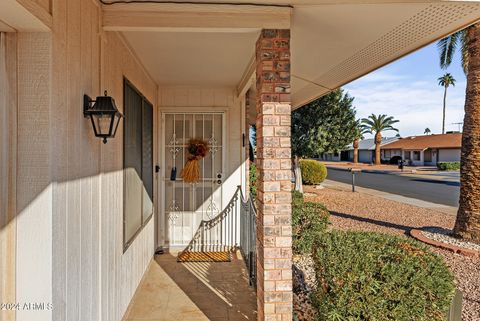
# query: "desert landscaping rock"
362,212
443,235
303,284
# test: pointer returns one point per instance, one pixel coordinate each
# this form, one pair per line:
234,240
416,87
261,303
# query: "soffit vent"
431,22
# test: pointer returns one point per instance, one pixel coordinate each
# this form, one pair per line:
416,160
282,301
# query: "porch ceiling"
333,42
194,58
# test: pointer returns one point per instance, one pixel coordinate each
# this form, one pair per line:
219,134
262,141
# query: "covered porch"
194,291
205,71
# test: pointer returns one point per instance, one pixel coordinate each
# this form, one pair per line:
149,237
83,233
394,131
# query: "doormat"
187,256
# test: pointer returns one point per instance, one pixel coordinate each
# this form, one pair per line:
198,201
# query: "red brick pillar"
274,230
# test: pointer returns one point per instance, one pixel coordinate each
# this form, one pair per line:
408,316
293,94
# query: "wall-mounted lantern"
104,115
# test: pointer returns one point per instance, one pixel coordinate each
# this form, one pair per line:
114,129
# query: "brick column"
274,230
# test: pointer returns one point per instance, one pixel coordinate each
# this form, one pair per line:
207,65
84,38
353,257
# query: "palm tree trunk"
355,151
378,142
467,224
444,108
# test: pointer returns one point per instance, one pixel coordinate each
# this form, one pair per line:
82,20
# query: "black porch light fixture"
104,115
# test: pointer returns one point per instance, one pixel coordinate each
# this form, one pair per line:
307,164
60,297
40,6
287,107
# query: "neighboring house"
426,149
332,157
80,220
366,149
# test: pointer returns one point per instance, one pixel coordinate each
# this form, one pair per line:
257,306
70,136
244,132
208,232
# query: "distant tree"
326,125
376,125
445,81
359,131
427,131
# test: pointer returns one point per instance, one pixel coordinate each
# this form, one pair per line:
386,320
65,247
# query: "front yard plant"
253,180
309,220
372,276
448,166
313,172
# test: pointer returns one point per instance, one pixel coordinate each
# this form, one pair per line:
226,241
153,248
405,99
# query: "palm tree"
359,131
375,125
467,224
445,81
427,131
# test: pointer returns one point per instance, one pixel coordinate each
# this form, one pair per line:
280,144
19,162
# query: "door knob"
219,182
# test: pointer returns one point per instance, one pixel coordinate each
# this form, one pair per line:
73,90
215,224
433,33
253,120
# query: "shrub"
253,180
448,166
313,172
372,276
308,221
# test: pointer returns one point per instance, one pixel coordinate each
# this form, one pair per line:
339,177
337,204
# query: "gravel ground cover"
443,235
362,212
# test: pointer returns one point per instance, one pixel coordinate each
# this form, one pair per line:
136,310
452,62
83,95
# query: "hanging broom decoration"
197,149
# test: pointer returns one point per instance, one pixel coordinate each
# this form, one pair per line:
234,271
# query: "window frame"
415,154
126,243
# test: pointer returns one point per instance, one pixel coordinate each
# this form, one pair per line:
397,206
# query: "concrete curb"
417,234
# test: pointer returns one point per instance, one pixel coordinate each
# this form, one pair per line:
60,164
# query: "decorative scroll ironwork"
173,148
233,228
173,216
213,143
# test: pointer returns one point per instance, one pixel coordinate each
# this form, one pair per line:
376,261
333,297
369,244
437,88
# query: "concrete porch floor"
193,291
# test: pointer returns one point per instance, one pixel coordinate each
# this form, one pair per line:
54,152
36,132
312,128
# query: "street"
444,192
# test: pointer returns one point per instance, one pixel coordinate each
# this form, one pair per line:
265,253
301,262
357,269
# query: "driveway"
439,189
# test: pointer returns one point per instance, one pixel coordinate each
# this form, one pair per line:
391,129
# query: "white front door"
185,205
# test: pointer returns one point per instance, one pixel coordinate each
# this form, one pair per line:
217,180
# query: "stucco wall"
449,155
365,156
68,247
8,162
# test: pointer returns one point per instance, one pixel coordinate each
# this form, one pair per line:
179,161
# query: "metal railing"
220,233
248,236
235,227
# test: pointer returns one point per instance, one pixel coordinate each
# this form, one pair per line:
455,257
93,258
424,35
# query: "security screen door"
186,204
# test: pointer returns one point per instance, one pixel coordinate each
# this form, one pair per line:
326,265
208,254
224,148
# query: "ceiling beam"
156,17
25,15
248,78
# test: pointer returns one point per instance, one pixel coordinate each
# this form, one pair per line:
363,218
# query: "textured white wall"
8,162
449,155
69,222
365,156
34,162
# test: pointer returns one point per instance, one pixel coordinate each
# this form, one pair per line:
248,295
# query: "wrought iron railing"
233,228
221,233
248,236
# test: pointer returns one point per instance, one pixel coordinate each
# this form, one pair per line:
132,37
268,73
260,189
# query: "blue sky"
408,90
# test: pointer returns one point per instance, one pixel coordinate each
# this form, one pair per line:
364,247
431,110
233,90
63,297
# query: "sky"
408,90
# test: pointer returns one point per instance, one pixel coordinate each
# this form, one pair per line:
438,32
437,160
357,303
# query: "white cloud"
417,103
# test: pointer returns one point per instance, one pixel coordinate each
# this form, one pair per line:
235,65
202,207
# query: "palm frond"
465,53
447,47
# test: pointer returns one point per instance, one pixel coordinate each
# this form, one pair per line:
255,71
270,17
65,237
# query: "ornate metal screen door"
185,204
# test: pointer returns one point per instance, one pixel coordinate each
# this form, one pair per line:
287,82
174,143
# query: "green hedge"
253,180
308,221
313,172
372,276
448,166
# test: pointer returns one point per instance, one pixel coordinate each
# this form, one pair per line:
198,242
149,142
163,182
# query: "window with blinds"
137,162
